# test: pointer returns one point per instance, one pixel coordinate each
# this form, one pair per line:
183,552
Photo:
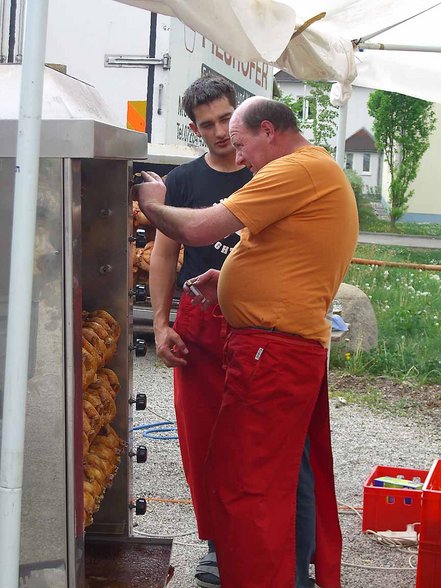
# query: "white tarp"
263,29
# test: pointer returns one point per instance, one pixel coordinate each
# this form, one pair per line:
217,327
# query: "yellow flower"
348,356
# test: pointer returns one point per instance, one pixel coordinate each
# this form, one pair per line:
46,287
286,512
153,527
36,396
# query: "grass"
371,223
374,399
407,305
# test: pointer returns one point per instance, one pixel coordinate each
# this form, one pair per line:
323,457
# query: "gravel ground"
361,440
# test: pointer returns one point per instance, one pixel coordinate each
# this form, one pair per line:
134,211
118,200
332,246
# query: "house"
362,156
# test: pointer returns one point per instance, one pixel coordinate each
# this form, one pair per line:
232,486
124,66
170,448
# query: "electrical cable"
351,565
149,426
352,509
160,437
157,414
148,435
190,544
155,536
160,427
383,540
172,500
391,541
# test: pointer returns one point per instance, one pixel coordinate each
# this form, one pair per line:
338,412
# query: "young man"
274,291
194,347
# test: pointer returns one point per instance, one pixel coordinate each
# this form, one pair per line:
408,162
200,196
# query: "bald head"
253,111
262,130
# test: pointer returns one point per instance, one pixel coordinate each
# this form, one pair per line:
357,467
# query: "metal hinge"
136,61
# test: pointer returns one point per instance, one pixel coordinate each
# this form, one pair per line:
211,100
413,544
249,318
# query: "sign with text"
192,56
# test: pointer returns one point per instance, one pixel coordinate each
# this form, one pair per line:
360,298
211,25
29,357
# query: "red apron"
198,396
275,392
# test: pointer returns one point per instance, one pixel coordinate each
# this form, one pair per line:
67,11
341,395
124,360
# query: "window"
309,108
349,161
366,162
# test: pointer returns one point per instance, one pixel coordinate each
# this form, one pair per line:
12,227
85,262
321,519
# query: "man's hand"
203,288
151,191
195,227
170,347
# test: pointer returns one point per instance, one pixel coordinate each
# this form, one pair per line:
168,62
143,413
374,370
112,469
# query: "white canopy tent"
386,44
321,39
313,40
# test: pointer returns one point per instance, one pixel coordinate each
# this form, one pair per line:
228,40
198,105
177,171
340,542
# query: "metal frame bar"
392,47
20,291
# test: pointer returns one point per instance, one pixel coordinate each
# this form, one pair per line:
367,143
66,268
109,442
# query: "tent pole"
20,291
391,47
341,134
392,26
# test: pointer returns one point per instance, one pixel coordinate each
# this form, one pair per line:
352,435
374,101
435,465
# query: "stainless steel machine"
82,247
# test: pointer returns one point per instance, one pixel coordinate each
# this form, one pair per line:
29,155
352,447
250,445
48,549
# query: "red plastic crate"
429,550
391,509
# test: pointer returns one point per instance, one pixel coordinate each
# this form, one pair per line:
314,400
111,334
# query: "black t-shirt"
197,185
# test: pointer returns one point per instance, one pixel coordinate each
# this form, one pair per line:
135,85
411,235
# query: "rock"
358,311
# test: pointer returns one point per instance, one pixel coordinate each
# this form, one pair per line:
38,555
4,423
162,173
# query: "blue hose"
157,428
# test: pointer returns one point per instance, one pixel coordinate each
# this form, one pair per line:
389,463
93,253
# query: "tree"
402,127
315,112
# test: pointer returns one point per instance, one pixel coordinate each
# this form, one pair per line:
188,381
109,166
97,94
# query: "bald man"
299,227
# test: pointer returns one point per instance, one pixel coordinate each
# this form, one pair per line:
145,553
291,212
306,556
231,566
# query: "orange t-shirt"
301,227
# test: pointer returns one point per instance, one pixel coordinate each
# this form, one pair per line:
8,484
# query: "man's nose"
239,159
221,129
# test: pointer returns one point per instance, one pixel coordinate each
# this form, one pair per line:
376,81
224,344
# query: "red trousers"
198,391
275,393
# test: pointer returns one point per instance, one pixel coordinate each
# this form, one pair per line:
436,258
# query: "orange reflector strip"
136,115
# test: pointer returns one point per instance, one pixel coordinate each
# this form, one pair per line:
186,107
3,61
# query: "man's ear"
194,128
268,128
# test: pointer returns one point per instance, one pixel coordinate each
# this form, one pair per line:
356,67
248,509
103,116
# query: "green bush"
357,185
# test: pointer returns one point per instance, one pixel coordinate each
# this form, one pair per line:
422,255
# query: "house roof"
283,76
362,140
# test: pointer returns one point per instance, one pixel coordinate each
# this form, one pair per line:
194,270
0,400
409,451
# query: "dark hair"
282,117
207,89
